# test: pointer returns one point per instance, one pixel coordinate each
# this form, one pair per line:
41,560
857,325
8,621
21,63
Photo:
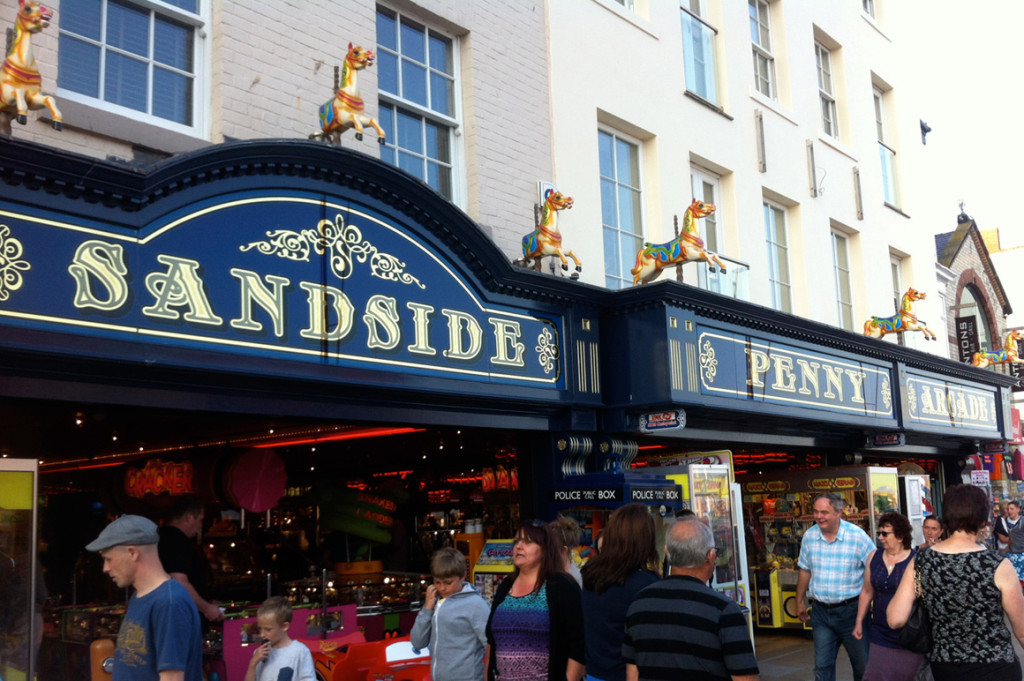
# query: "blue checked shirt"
837,569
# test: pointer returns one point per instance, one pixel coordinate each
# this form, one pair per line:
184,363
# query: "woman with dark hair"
966,589
610,581
887,659
534,629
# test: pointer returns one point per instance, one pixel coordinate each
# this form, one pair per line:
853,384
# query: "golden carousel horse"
687,247
346,109
1008,355
904,320
20,82
546,239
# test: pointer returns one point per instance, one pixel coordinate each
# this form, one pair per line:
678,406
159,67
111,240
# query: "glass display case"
22,591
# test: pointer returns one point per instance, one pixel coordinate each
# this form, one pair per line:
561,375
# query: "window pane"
626,159
410,132
609,214
387,72
629,210
386,119
414,42
611,252
128,28
172,96
414,82
79,67
410,164
172,44
126,82
437,142
189,5
444,181
387,30
440,54
82,17
607,156
440,94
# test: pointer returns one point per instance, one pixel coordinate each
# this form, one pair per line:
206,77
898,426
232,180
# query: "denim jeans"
831,627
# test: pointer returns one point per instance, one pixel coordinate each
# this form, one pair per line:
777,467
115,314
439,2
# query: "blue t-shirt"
159,632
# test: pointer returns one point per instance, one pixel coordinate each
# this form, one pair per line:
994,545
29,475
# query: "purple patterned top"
521,630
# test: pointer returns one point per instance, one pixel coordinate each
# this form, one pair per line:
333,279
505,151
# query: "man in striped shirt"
679,628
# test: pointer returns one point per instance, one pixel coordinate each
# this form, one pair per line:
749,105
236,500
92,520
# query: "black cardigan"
565,617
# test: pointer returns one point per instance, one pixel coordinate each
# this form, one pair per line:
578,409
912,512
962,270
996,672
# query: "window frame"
844,308
623,279
200,23
886,154
397,103
868,6
826,90
781,291
762,53
695,13
714,232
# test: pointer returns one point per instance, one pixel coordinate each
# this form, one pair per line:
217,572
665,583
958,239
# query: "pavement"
788,655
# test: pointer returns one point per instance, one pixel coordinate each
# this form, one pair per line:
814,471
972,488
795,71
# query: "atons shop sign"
292,277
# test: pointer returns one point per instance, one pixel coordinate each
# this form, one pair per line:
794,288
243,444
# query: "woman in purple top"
534,630
887,659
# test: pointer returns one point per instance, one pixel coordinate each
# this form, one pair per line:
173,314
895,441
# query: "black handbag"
916,634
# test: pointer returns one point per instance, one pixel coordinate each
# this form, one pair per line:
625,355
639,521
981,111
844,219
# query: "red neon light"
83,468
347,435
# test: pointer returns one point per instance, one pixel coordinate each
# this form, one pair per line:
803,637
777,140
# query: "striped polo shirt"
679,628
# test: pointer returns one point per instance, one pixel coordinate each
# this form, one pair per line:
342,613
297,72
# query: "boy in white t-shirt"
279,658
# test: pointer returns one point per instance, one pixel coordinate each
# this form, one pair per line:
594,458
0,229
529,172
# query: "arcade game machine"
778,508
493,564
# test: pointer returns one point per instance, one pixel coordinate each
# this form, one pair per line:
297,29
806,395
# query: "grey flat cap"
127,530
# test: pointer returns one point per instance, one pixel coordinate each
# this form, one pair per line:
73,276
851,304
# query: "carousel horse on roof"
1008,355
687,247
546,239
20,82
346,109
904,320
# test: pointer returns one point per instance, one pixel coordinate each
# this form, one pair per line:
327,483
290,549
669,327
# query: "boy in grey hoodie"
453,621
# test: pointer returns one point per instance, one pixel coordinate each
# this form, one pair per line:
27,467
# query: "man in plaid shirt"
833,556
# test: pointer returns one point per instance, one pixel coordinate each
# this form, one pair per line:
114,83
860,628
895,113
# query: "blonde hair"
278,607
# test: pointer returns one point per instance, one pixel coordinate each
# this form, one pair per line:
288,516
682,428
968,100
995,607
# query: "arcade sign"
938,402
288,275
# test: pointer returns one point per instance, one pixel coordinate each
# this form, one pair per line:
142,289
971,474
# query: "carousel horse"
546,239
1008,355
346,109
904,320
20,80
687,247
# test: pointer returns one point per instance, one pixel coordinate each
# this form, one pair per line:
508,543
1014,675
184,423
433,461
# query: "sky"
973,99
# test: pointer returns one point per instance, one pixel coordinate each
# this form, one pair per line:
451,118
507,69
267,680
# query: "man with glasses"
833,555
679,626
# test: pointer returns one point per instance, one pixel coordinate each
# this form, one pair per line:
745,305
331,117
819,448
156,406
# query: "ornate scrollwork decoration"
708,361
912,398
886,390
547,350
344,243
11,264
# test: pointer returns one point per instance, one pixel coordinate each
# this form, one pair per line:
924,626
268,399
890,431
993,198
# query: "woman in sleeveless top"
966,590
887,659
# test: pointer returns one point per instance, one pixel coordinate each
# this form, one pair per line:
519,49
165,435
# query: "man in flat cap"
159,639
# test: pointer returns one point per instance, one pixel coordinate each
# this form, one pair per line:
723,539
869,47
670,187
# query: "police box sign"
655,494
587,495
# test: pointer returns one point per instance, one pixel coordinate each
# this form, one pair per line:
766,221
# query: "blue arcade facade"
292,278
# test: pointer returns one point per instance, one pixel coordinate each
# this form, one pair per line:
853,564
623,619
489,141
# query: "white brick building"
794,118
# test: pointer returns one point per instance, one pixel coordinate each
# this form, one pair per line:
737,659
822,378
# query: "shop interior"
423,486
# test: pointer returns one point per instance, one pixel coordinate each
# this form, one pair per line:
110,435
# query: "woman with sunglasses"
887,659
535,629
